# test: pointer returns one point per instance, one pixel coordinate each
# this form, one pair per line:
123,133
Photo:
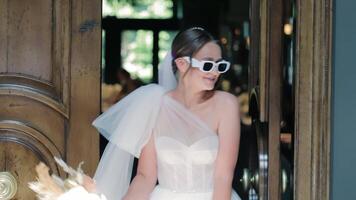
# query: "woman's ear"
182,65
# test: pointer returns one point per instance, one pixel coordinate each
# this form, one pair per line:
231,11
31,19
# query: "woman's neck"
188,96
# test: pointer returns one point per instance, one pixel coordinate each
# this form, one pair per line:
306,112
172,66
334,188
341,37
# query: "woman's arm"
146,176
229,138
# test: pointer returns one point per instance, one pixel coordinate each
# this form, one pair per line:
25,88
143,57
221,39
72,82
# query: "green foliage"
136,47
141,9
136,53
165,42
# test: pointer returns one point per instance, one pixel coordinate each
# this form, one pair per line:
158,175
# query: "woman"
184,133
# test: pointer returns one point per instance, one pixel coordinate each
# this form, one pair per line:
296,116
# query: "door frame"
312,88
313,99
85,63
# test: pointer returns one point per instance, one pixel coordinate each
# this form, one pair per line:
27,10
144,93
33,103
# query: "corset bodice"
184,168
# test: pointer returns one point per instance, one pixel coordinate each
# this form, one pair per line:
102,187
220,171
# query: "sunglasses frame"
200,64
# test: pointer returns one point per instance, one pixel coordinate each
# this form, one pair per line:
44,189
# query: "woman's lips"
210,79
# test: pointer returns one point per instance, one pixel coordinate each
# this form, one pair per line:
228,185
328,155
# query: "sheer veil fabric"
127,126
186,147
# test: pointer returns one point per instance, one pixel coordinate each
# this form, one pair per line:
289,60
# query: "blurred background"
136,35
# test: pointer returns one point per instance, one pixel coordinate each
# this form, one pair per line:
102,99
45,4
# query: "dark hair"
188,43
124,72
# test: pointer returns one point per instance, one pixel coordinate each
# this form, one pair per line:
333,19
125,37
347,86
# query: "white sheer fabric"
166,76
128,126
186,151
186,147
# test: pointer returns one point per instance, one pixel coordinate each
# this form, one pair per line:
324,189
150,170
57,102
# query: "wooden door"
310,178
49,88
265,84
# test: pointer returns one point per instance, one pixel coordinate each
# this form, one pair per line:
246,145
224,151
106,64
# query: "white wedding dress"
186,151
186,147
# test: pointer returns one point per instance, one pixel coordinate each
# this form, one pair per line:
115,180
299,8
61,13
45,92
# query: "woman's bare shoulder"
226,103
228,112
226,98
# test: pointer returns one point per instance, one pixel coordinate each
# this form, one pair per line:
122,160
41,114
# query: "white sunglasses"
208,66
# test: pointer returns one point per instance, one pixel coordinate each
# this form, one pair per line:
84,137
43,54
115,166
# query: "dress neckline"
190,113
190,146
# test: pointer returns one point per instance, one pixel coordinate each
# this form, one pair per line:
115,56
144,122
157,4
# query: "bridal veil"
127,126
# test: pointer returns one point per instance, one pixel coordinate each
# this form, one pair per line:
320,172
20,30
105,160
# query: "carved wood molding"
32,139
41,58
312,101
35,94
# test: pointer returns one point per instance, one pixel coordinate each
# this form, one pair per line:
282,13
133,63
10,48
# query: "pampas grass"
45,187
52,187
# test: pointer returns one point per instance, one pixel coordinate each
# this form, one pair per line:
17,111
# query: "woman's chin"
209,87
209,84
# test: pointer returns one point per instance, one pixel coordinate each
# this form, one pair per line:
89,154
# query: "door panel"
29,37
265,92
35,40
20,164
20,160
289,78
21,149
49,68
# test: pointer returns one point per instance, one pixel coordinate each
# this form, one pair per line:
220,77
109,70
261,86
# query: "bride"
185,133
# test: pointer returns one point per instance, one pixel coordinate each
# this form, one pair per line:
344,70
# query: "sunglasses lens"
208,66
222,67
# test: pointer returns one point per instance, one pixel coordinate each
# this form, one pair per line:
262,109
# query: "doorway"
263,40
